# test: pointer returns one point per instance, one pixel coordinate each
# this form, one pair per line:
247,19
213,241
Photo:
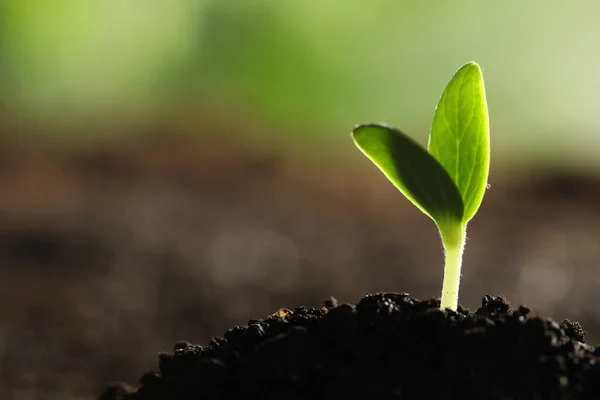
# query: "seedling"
448,180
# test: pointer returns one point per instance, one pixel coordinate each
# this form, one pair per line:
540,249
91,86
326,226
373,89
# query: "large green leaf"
418,175
459,137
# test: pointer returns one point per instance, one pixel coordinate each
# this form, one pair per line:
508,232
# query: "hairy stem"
454,246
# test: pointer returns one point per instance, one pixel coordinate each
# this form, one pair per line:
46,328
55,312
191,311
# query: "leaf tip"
472,67
361,128
356,131
356,128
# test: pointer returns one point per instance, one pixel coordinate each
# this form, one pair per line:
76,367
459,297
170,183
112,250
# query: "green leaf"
418,175
459,137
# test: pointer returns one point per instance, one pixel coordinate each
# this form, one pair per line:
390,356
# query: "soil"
387,346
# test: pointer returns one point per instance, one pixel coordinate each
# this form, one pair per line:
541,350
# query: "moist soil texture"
387,346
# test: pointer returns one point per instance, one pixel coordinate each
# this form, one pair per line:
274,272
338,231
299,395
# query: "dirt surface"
387,346
109,254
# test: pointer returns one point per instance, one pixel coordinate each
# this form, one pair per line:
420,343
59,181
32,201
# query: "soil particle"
387,346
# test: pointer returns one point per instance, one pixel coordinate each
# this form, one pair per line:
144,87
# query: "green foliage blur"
302,73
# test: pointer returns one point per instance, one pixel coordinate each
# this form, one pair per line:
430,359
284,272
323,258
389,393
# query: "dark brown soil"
387,346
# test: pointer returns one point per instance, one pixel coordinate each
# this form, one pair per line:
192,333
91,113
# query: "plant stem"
454,246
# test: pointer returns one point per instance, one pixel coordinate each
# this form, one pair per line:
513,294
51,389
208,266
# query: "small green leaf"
419,176
459,137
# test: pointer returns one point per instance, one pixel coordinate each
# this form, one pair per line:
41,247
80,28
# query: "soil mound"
387,346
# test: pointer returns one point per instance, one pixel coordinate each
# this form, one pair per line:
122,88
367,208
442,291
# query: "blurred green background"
300,74
172,168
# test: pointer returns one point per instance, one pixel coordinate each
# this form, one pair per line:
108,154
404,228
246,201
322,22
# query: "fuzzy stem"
454,246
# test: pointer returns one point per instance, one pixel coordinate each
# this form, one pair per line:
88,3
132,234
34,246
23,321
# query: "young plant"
448,180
